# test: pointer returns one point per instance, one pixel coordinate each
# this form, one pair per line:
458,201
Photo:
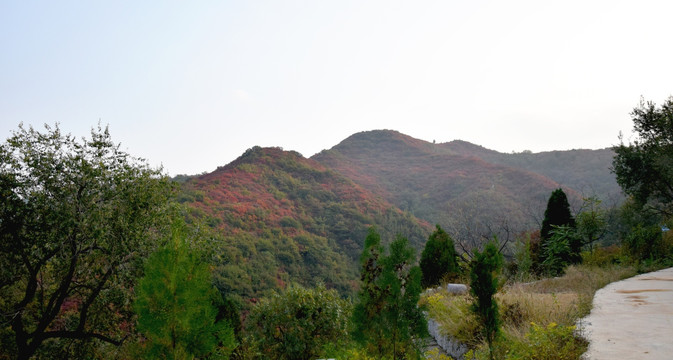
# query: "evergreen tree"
483,286
367,314
387,318
175,305
556,214
438,258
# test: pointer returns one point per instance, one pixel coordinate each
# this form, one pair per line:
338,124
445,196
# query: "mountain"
585,171
278,217
471,191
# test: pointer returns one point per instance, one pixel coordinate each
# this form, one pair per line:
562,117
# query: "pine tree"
367,313
387,318
483,286
175,308
438,258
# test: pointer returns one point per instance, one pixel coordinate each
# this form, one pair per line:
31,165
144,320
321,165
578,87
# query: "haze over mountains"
280,217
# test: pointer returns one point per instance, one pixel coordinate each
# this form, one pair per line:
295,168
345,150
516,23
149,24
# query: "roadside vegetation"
554,273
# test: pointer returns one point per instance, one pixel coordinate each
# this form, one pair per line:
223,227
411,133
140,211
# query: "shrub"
553,342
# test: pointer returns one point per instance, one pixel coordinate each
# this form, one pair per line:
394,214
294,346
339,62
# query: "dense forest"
275,255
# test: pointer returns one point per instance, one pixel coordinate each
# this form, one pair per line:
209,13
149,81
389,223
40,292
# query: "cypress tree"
483,286
438,258
557,214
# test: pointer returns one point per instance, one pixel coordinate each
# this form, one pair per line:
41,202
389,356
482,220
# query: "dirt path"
632,319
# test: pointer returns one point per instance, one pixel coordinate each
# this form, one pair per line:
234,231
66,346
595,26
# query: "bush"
298,323
648,243
602,256
553,342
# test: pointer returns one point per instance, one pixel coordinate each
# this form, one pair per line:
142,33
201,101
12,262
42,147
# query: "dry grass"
562,300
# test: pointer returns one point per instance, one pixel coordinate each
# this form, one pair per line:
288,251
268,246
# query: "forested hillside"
585,171
277,217
441,184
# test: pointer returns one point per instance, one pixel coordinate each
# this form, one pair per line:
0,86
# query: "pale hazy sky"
193,84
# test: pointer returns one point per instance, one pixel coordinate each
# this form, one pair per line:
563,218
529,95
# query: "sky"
190,85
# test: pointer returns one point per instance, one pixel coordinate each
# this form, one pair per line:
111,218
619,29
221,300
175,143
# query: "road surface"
632,319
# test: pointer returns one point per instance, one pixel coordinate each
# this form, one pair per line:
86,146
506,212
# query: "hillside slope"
440,183
585,171
279,218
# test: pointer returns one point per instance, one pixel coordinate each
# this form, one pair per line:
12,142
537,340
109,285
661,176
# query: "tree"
297,323
176,305
368,321
591,221
438,258
75,219
558,250
556,214
387,319
644,169
483,286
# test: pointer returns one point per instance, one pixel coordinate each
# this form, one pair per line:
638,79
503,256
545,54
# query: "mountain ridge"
281,217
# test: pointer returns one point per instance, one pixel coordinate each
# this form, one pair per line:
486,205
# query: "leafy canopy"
298,323
75,219
644,169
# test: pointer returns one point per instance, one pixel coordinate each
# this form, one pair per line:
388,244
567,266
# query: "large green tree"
298,323
387,318
176,305
75,219
438,258
644,168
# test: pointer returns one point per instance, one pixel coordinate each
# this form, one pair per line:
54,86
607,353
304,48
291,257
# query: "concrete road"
632,319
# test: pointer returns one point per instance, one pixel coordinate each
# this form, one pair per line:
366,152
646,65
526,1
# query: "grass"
541,309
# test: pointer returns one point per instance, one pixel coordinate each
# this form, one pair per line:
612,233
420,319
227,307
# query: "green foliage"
648,243
387,319
523,256
557,250
176,308
483,286
603,256
644,169
591,221
556,214
299,323
553,342
76,220
438,258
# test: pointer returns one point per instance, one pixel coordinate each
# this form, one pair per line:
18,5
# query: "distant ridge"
457,182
